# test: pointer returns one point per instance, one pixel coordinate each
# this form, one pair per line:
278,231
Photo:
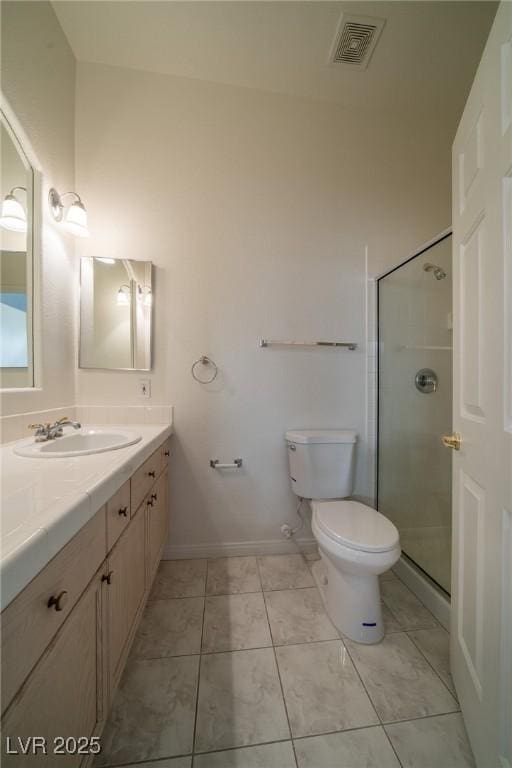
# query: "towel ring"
204,360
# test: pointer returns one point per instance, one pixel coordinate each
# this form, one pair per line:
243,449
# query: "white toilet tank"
321,462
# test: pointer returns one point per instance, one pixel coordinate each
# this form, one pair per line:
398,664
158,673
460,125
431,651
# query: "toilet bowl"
356,542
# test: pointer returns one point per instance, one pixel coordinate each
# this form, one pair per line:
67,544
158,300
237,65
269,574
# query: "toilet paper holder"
215,464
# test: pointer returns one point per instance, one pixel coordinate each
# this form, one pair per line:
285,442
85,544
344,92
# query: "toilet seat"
355,525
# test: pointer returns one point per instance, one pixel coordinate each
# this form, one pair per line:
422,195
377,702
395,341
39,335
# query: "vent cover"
356,39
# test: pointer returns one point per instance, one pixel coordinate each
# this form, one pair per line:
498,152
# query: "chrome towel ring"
204,360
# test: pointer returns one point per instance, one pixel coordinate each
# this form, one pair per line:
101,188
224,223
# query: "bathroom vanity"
67,634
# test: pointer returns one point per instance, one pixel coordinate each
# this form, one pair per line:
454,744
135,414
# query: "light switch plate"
145,388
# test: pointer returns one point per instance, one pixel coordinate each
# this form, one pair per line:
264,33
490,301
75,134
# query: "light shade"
75,219
123,297
12,215
144,296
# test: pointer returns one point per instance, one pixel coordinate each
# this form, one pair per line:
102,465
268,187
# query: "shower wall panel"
414,469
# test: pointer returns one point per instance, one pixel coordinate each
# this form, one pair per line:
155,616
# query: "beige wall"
256,209
38,82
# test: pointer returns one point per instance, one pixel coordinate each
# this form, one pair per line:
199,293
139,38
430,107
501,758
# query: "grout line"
199,671
383,725
392,746
371,701
178,597
278,673
244,746
454,696
437,623
360,678
144,762
422,717
229,594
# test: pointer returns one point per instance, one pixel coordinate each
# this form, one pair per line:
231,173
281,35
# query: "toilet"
356,542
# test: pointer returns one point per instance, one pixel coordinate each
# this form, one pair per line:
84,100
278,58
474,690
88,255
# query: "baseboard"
432,598
238,548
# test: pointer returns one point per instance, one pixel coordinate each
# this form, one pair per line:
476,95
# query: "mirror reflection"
115,314
16,175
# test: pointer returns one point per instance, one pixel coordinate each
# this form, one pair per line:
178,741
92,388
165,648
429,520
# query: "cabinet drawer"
34,616
118,514
144,477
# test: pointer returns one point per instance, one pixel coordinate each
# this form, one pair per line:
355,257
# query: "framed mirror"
116,299
16,262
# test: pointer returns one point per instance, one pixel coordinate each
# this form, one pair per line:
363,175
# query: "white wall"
256,209
38,81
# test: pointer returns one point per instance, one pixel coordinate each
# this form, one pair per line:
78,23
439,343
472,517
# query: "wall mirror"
116,298
16,262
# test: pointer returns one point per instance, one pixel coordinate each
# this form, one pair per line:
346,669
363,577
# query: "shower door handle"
452,441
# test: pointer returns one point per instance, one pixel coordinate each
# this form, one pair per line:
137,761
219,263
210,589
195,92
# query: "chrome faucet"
49,431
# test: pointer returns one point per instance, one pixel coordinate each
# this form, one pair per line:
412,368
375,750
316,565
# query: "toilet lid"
356,526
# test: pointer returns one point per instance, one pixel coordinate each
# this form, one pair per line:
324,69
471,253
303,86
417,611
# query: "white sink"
79,443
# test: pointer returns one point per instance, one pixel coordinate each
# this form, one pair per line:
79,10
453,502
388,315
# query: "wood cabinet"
63,696
118,514
157,518
143,479
125,580
66,636
31,620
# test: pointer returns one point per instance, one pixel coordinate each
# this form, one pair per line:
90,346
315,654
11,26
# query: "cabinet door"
157,514
34,617
64,695
125,591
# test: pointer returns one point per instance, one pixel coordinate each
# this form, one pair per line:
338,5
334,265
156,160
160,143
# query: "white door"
481,638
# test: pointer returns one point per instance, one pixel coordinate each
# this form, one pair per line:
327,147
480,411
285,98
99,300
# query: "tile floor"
236,665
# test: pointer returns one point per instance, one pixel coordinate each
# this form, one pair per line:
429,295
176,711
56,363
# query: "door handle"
452,441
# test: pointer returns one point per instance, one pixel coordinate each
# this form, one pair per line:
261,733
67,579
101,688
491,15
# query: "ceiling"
424,61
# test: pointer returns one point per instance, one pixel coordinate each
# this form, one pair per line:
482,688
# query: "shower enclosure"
415,406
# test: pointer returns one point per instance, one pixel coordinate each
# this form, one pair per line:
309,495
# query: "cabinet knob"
154,496
124,511
108,577
152,474
58,602
150,502
166,453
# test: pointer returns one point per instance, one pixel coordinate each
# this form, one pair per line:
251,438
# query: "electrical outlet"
145,388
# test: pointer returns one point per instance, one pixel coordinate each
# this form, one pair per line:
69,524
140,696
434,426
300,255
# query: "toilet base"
352,601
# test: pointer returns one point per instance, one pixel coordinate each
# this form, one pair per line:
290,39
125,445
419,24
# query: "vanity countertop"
44,502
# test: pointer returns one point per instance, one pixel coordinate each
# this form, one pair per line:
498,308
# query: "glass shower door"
415,407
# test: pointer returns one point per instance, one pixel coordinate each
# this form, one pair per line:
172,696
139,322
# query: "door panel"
471,254
481,637
471,576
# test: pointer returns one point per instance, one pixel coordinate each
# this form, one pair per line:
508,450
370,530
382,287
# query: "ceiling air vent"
357,37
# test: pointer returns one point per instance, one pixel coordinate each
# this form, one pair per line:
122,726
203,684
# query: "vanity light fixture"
12,215
144,296
74,219
124,295
104,260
